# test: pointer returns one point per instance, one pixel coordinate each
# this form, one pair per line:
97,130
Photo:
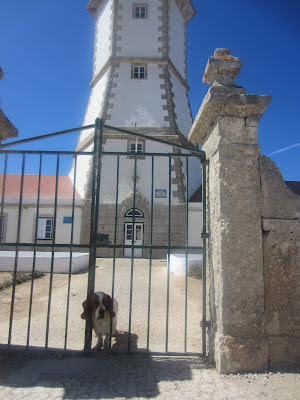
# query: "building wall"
145,44
177,38
195,224
103,37
95,104
28,219
138,102
182,109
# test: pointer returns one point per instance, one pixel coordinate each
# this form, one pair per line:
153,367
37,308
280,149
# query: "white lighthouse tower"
139,84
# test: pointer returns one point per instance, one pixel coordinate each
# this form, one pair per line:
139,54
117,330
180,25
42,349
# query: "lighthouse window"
136,147
139,72
140,11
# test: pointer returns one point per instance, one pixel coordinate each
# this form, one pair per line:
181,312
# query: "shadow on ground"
96,375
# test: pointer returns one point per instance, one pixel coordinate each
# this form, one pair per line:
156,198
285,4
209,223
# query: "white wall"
28,218
83,167
195,224
143,172
145,43
103,36
138,101
94,106
177,38
182,110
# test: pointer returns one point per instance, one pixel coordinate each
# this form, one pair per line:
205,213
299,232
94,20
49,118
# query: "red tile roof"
30,187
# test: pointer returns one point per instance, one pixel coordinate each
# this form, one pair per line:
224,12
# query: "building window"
1,227
137,213
136,147
140,11
44,228
139,72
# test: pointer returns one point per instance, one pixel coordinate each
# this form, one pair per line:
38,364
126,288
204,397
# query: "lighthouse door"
138,239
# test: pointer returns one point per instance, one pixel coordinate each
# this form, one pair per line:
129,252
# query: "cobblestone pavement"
135,377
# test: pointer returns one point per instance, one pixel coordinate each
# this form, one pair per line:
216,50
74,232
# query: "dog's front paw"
98,346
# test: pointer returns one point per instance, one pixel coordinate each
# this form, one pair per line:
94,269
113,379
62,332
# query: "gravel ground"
139,311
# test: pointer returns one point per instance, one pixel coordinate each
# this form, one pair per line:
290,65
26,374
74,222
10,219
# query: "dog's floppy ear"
107,302
87,311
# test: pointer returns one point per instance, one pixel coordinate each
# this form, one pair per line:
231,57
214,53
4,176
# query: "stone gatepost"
226,126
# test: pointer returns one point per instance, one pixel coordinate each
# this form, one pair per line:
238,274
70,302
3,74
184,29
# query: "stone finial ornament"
222,69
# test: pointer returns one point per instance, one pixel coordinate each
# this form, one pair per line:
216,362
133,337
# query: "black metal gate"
151,272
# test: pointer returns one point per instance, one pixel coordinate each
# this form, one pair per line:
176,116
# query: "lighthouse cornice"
139,60
185,6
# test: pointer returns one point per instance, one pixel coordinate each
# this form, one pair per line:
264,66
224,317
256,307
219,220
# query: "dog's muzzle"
101,313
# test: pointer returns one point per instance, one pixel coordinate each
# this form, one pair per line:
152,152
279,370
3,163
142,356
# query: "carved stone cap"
222,68
226,105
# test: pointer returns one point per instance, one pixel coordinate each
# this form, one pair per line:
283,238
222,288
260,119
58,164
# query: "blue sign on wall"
67,220
161,193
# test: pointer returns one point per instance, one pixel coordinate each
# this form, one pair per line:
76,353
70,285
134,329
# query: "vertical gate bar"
186,251
3,197
115,242
52,250
71,253
169,243
97,159
150,255
132,253
34,250
17,252
204,163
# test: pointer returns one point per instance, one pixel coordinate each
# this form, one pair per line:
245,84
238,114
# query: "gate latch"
205,324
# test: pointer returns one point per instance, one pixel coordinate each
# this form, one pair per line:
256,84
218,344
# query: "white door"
138,238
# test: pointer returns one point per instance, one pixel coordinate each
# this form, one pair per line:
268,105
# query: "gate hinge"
205,235
205,324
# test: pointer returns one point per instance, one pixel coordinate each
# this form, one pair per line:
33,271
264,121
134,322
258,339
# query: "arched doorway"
133,233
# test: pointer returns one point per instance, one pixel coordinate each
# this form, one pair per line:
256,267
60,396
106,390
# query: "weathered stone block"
284,350
234,354
278,201
281,244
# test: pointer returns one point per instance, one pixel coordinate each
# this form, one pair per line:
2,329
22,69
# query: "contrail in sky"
284,149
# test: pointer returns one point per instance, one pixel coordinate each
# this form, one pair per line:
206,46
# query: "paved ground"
101,376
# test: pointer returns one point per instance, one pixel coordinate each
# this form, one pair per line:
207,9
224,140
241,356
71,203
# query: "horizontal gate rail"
47,136
155,139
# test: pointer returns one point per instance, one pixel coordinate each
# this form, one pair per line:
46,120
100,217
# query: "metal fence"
94,246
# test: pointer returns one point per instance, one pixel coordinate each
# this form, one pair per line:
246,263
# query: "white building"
38,210
139,84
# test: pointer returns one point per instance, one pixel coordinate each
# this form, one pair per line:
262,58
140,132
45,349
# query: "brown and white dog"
101,309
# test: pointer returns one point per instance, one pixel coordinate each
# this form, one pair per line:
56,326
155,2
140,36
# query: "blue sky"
46,50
